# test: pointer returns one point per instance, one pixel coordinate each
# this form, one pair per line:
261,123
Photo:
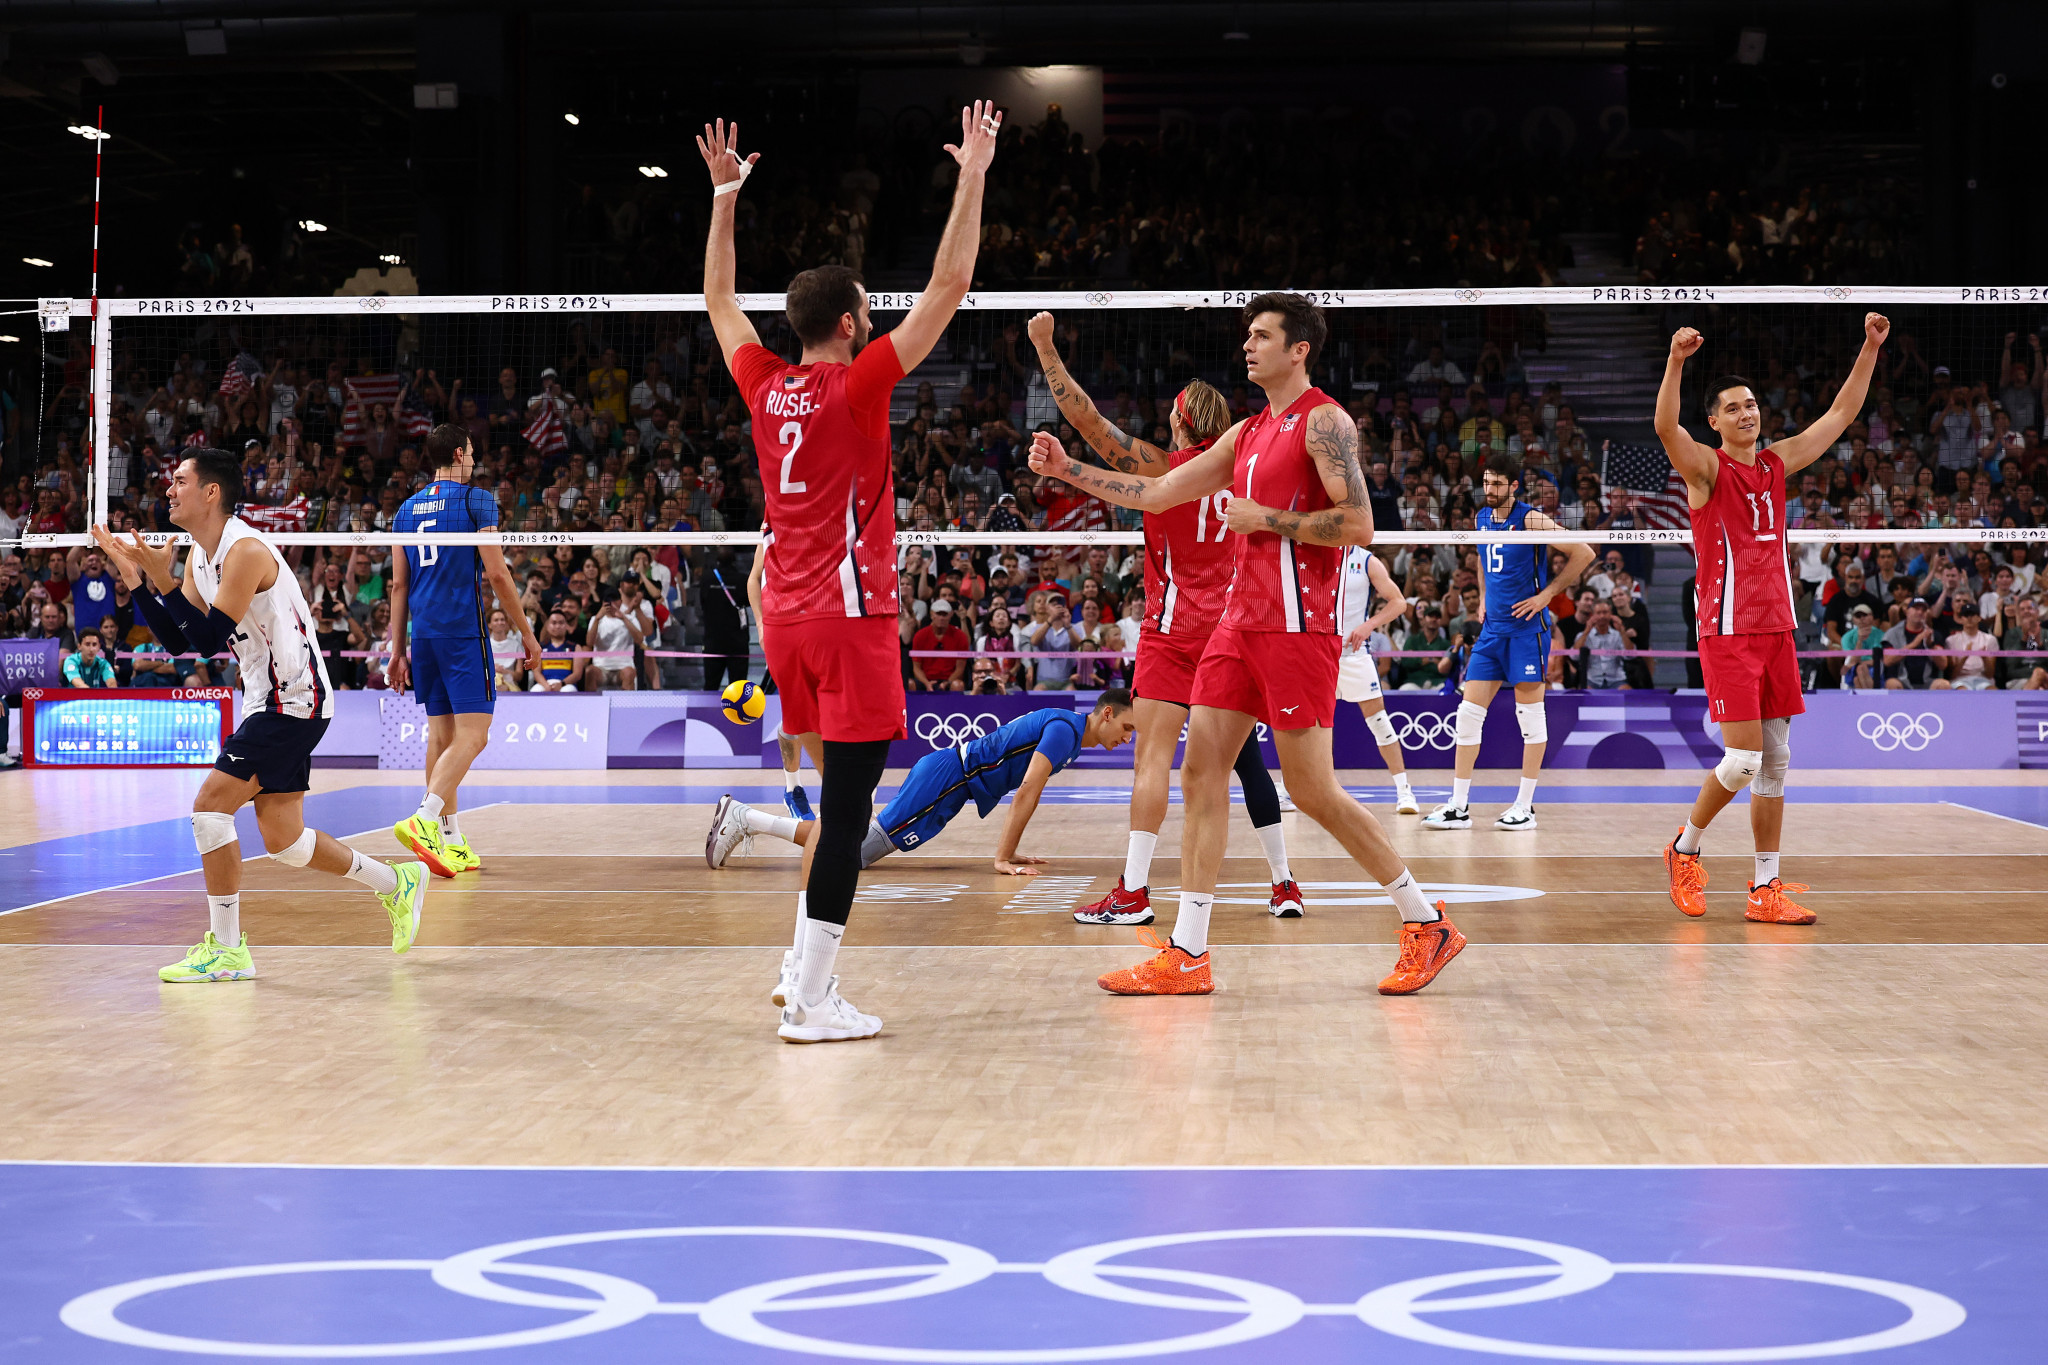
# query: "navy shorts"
273,748
454,676
933,792
1509,656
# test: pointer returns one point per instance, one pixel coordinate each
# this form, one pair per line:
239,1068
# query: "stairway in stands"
1610,359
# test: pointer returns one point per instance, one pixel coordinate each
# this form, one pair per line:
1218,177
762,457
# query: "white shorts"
1358,676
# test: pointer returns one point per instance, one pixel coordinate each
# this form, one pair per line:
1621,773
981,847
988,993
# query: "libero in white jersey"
281,666
239,594
1358,671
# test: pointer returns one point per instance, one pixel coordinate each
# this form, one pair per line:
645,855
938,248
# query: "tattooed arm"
1118,449
1333,445
1209,472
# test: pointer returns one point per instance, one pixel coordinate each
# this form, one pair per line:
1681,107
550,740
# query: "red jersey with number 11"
821,433
1188,563
1744,585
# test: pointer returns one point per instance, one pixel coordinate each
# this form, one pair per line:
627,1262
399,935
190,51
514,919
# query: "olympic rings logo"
1420,728
946,732
1256,1310
1899,731
1100,299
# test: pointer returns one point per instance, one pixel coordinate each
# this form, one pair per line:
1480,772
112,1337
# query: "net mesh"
610,424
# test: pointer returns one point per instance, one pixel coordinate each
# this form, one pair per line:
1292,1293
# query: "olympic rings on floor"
1259,1310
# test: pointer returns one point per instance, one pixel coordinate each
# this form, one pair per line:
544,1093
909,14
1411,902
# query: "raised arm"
1209,472
1821,434
500,576
1694,462
1578,557
953,266
1118,449
720,150
1333,445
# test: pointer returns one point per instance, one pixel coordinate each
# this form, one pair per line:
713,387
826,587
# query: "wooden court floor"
596,995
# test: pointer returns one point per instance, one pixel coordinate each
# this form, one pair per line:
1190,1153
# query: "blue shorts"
454,676
1509,656
933,792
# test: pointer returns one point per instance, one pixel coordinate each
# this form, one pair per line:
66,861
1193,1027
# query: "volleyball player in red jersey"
1744,586
1188,563
1298,497
828,594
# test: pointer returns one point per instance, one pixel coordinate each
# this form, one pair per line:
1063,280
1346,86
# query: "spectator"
561,665
1418,675
1599,648
1972,671
2030,671
1054,634
1851,593
613,637
1862,639
1915,632
940,675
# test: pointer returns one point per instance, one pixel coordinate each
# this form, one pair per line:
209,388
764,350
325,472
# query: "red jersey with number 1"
1744,586
1282,584
1188,563
821,433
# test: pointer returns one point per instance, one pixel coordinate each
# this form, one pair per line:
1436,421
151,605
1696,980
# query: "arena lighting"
390,259
37,260
654,172
571,120
312,225
8,339
88,132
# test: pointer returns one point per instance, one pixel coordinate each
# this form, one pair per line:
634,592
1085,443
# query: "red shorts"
1285,678
1167,664
1751,677
840,677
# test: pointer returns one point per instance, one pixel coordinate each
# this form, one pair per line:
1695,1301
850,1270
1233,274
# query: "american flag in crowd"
545,432
1646,471
1069,509
242,376
414,418
290,517
364,393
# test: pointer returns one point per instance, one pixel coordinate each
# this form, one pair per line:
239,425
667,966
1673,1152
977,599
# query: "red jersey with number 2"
821,432
1744,586
1282,584
1188,563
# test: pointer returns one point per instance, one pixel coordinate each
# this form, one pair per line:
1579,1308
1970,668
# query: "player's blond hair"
1202,406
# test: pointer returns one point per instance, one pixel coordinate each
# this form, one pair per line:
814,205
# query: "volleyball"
744,702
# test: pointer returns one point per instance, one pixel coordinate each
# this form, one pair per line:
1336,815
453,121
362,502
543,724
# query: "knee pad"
1382,726
1738,768
1471,720
1770,777
299,852
1534,721
212,830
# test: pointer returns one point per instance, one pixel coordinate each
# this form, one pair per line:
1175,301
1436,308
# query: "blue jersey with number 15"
1513,572
444,593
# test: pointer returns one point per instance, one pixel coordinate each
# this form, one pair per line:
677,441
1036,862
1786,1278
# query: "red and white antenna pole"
93,416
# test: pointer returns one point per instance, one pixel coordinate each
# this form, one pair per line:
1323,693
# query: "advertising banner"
528,730
29,663
1907,730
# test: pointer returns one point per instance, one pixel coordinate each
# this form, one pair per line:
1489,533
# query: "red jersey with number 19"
1282,584
822,435
1188,563
1744,584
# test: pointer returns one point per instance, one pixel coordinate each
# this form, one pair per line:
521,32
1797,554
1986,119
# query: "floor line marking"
1977,810
985,1170
1011,947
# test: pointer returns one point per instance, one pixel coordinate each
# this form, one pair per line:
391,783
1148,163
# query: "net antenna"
99,403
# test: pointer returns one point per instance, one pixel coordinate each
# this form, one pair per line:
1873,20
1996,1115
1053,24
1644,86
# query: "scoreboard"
155,727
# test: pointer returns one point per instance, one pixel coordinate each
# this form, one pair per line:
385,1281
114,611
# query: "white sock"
1401,787
372,872
1191,925
1525,796
803,906
1138,861
1461,791
226,912
1273,838
814,970
789,779
761,822
430,806
449,833
1408,900
1766,868
1689,838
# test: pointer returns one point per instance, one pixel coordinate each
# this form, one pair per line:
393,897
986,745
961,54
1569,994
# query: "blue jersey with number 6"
444,582
1513,572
